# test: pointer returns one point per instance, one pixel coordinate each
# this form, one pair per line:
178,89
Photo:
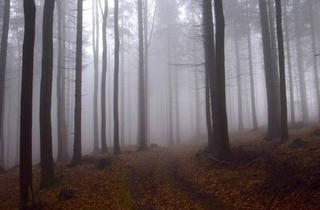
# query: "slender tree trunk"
252,87
26,104
315,63
122,127
210,62
61,123
116,79
3,62
77,151
220,147
302,82
170,123
95,50
103,80
142,131
47,173
238,66
287,40
177,111
271,76
282,70
146,65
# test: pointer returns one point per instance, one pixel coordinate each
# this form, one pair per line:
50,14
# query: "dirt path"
156,184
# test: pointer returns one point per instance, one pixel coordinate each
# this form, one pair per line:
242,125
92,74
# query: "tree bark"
116,79
47,173
77,151
26,104
3,62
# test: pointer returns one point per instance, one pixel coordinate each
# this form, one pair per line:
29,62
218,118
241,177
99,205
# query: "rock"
298,143
104,163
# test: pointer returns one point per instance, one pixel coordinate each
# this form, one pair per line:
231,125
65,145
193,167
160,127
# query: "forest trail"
156,184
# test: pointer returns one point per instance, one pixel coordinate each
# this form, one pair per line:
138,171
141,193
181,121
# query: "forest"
160,104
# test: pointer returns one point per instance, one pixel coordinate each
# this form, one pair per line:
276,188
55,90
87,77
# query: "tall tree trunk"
273,35
26,104
252,87
170,111
220,147
103,80
271,76
122,127
142,131
282,71
238,67
177,111
3,62
287,40
77,151
315,63
95,50
210,62
116,79
47,173
146,64
302,82
61,123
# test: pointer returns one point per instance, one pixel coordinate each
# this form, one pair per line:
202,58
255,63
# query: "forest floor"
261,175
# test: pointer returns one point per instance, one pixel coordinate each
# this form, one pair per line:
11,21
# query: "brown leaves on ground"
261,175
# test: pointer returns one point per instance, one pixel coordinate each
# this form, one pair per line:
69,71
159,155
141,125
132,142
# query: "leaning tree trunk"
271,76
76,159
3,61
220,148
116,79
61,122
47,173
103,80
282,71
142,131
26,104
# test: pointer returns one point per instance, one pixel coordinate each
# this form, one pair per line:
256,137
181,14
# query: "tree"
271,75
47,172
95,49
76,159
26,104
3,61
103,79
220,147
282,70
61,122
116,79
142,131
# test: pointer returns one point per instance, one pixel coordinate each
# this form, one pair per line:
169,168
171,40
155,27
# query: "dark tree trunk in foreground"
47,173
142,131
95,49
252,87
287,39
220,148
76,159
3,61
282,71
210,61
103,80
116,79
271,76
61,74
26,104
